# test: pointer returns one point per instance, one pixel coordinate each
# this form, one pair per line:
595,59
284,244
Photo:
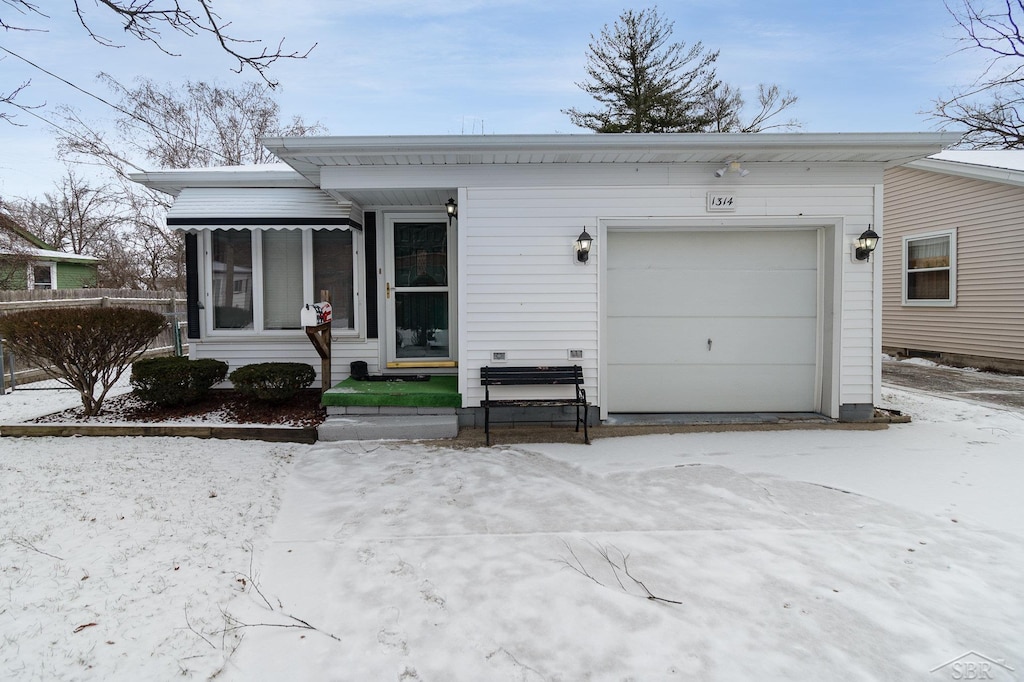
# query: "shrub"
170,381
273,382
86,348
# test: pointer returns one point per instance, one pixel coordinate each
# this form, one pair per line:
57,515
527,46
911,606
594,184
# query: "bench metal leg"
586,433
487,424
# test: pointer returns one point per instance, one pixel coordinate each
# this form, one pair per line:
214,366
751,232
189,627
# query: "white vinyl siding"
522,293
988,318
238,352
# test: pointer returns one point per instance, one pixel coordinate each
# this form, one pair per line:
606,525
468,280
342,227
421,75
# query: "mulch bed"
221,406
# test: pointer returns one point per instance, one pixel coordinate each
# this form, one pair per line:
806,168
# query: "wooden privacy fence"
168,303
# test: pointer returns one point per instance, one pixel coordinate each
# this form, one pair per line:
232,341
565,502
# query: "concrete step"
390,427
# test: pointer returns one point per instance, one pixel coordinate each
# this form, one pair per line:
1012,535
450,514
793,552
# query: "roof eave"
968,170
899,146
173,181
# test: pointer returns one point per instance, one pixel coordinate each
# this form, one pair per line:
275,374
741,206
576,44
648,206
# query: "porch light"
452,208
732,167
865,244
583,244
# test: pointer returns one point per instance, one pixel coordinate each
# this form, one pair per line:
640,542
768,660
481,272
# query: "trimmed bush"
87,349
171,381
274,382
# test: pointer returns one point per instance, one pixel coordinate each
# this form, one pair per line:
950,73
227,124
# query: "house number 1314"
721,202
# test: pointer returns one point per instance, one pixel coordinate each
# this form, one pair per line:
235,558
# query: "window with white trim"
260,279
929,269
42,276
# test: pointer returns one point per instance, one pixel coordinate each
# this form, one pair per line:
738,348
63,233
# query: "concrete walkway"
999,389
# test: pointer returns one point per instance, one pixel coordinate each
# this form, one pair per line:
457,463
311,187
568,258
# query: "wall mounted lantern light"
452,208
732,167
583,244
865,244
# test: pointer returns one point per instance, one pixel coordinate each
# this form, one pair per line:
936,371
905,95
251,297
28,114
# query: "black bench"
534,376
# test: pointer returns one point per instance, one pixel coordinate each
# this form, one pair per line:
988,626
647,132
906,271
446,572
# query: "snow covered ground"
776,555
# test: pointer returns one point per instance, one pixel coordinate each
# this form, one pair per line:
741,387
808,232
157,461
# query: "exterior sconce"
583,244
732,167
452,208
865,244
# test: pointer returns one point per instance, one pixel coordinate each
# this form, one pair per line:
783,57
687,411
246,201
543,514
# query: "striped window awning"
267,208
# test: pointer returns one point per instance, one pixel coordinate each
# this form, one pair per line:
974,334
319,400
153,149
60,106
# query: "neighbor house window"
260,279
44,276
929,276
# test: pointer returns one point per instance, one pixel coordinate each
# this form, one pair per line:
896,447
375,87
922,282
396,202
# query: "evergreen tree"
645,83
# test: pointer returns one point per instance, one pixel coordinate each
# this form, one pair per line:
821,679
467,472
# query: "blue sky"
496,66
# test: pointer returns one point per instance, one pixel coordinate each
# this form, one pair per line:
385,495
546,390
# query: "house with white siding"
723,274
953,274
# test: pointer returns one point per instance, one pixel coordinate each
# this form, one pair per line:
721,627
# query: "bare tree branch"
144,20
9,97
990,110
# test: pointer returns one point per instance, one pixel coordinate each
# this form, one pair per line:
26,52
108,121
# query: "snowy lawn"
769,555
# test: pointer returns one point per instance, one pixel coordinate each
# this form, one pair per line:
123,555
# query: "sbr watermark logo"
974,666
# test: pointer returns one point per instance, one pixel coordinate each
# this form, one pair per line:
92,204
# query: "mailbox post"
316,320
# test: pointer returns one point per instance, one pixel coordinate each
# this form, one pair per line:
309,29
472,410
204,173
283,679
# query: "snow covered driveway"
510,564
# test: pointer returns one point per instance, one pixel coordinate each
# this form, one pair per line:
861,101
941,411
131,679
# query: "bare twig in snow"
619,566
22,542
237,624
234,624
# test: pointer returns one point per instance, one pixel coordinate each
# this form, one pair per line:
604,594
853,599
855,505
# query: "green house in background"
27,262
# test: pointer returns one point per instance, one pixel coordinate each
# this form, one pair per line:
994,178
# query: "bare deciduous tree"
77,217
723,105
192,125
991,109
771,102
165,126
85,218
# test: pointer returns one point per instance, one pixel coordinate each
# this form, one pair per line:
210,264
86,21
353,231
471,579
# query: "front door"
418,292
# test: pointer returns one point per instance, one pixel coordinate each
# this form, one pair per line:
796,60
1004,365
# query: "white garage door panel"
709,389
743,250
754,294
733,341
780,293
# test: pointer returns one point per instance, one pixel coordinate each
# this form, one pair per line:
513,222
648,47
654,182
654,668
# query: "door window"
420,308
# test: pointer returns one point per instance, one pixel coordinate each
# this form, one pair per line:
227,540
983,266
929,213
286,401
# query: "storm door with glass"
417,292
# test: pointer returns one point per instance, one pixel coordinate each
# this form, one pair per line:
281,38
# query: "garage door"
712,321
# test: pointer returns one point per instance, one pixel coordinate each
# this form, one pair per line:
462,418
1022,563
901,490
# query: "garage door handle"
709,345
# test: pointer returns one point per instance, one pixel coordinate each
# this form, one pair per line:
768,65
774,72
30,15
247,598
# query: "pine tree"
644,83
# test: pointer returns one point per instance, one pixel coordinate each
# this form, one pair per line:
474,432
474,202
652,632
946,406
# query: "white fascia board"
889,147
268,175
967,170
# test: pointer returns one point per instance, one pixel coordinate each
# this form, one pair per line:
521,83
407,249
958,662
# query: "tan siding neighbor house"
953,259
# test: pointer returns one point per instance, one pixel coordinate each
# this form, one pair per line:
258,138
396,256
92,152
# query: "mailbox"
315,314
